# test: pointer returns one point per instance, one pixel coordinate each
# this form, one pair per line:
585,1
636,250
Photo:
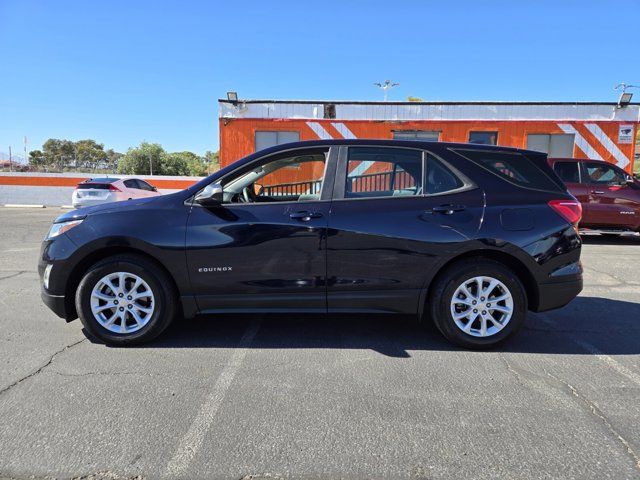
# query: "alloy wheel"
482,306
122,302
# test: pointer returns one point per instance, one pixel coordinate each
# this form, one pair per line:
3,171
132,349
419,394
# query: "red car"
610,197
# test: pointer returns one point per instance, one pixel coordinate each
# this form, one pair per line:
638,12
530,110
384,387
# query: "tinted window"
383,172
439,178
567,171
513,167
604,174
131,183
483,138
144,185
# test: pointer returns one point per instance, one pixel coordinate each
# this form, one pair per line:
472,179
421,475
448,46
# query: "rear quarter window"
513,167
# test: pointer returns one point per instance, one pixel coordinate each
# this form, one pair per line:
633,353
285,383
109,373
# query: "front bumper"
55,302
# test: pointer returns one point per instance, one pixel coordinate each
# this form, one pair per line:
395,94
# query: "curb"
21,205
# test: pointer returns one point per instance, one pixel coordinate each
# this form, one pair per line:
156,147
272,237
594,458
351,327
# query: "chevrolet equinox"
470,237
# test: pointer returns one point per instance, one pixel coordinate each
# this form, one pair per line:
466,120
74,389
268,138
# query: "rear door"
394,212
571,174
613,202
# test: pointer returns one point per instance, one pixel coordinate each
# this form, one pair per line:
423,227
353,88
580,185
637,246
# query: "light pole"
386,86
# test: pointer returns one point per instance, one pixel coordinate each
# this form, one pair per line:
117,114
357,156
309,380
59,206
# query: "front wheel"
125,300
478,304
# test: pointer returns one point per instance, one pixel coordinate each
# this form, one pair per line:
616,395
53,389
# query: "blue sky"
121,72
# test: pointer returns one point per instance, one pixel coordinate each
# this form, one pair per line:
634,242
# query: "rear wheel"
478,303
125,300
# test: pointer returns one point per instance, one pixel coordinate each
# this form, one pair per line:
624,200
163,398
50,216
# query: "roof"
437,111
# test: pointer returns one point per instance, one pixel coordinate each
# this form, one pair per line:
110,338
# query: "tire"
442,308
155,308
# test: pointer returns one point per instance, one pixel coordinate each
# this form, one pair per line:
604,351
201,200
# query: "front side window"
266,139
483,138
604,174
291,178
567,171
145,186
383,172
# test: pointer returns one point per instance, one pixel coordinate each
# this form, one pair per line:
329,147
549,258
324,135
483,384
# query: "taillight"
570,210
113,188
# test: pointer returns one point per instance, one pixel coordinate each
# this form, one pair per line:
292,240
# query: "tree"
142,160
36,159
58,154
213,161
177,163
90,154
112,160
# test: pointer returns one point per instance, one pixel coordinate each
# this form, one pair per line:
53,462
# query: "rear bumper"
55,302
557,294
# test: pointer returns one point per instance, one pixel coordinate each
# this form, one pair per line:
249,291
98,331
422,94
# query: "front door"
613,202
263,249
395,212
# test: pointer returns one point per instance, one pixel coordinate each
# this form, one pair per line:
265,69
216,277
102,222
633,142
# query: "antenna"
386,86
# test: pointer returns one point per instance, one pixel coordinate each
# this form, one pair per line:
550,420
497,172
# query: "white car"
105,190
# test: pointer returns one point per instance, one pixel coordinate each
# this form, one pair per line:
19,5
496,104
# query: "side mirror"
155,189
210,195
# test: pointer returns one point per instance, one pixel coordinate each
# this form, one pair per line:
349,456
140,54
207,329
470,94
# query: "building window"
422,135
266,139
557,145
483,138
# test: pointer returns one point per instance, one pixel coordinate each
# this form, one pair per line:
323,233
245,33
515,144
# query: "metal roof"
436,111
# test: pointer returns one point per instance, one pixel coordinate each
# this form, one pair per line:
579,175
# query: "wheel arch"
510,261
79,270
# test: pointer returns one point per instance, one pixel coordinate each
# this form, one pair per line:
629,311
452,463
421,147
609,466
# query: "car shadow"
611,240
587,326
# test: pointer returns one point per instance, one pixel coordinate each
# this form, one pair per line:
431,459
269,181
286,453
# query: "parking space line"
192,440
600,355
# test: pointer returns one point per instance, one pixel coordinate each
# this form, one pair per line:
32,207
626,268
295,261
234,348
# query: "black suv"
468,236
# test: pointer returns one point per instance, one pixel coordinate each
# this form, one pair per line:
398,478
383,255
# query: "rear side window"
131,183
439,178
383,172
567,171
512,167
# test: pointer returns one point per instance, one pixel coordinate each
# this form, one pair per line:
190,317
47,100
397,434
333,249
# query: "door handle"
304,216
598,192
447,209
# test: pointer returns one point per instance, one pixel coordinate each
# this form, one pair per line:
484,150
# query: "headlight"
60,228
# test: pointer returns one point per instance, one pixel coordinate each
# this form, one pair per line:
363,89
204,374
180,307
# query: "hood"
106,208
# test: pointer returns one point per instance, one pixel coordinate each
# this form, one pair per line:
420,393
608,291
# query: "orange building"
597,130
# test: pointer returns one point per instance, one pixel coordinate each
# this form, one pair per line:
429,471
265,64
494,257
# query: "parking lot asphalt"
338,397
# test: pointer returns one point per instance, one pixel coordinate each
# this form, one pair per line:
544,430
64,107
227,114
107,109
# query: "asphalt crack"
42,367
596,412
14,275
